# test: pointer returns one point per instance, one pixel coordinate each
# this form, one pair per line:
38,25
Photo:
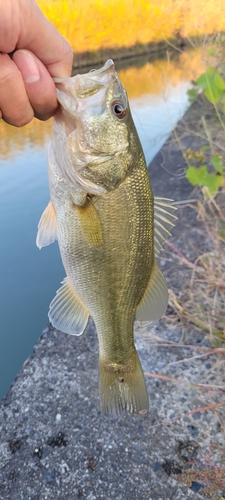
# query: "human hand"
39,53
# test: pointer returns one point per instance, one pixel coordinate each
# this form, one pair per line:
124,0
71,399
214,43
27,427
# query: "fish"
109,228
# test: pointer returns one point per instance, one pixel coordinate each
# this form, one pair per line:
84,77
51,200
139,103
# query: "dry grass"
198,304
96,24
211,478
203,303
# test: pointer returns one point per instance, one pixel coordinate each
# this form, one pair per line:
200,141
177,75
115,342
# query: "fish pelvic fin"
47,227
66,312
122,387
155,299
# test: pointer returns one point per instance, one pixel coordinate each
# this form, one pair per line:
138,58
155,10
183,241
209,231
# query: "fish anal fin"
66,312
90,223
47,227
155,299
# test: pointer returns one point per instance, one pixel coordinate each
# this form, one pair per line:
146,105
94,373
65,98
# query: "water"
30,277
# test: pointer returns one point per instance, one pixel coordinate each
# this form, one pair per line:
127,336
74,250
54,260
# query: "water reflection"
156,115
156,79
29,277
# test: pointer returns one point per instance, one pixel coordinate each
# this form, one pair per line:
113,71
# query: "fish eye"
119,109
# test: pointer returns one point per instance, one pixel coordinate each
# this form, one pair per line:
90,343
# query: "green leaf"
219,81
215,91
203,79
212,83
212,51
217,163
213,182
205,148
196,175
192,95
204,179
223,103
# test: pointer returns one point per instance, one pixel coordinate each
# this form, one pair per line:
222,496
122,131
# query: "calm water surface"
30,277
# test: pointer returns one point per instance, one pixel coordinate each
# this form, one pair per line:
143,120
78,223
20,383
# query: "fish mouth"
72,93
107,65
91,75
84,98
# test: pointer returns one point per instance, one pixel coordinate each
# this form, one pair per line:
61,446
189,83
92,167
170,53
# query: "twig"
220,420
192,357
202,325
182,257
206,350
204,408
173,46
186,382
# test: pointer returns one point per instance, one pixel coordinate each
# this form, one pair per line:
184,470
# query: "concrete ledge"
56,445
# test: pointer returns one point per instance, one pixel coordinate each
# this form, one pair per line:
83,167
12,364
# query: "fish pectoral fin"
155,299
47,227
163,221
66,312
90,222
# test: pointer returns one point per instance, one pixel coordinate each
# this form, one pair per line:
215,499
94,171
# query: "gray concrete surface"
55,444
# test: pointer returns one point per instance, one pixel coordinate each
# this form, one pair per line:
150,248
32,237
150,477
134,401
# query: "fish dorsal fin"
66,312
155,299
163,221
47,227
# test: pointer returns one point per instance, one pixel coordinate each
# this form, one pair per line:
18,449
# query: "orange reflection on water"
154,78
14,140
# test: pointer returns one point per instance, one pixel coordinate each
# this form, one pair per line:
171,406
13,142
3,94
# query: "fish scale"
102,213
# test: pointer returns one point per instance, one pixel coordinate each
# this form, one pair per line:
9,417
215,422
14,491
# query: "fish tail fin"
122,387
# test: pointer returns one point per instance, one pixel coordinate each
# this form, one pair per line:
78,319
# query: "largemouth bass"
102,213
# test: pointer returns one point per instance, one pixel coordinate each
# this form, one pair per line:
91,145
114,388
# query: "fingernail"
27,65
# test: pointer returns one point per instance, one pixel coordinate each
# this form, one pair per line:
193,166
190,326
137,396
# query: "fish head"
94,129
